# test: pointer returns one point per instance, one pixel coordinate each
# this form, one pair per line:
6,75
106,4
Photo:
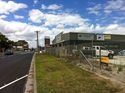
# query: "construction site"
97,53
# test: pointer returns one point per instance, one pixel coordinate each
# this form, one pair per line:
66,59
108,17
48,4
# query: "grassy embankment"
54,76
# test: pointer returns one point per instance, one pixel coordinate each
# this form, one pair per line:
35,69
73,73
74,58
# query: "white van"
104,51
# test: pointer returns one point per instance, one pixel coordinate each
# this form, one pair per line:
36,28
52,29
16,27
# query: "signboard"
100,37
85,36
107,37
105,59
47,41
20,47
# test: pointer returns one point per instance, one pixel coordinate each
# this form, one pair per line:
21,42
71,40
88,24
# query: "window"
80,35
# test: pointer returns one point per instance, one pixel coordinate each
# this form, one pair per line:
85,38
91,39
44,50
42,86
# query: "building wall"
86,36
65,37
119,38
69,42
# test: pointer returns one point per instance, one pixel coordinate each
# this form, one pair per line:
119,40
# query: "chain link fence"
88,59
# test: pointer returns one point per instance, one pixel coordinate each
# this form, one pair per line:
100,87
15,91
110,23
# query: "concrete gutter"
35,84
30,86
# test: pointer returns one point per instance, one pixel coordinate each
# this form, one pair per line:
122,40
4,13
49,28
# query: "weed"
54,76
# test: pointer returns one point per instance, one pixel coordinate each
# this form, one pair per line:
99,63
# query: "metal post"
92,48
37,32
92,51
100,58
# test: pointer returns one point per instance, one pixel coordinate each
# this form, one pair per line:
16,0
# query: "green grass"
55,76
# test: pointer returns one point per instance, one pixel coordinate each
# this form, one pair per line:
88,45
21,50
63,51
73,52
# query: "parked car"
8,52
122,53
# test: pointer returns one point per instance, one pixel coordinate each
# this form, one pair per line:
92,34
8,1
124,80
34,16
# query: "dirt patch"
112,72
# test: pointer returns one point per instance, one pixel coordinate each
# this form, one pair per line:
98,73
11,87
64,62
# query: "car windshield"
103,48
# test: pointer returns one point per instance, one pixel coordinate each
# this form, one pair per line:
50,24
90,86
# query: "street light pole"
37,34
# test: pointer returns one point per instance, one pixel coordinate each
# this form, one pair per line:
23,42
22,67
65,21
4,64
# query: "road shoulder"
30,86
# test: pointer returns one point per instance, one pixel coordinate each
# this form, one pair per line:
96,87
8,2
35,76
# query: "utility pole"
37,34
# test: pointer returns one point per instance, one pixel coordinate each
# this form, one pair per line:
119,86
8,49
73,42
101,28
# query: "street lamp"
37,34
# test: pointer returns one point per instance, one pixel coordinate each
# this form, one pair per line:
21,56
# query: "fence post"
100,58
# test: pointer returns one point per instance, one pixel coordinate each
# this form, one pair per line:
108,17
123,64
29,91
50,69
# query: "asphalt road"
12,68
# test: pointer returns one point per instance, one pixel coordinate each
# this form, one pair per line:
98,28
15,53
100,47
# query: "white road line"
13,82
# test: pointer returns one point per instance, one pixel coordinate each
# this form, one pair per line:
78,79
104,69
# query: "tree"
21,42
3,41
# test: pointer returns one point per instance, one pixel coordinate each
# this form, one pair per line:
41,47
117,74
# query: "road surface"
12,68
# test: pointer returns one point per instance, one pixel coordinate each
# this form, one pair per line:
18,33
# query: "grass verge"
55,76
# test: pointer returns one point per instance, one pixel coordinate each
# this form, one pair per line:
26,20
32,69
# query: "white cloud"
64,19
35,1
18,17
54,7
18,31
94,10
115,5
36,16
119,30
11,27
2,16
108,7
10,6
52,19
77,23
51,7
110,29
118,19
60,26
43,7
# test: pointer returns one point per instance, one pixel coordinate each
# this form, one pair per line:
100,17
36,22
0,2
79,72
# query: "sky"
19,19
